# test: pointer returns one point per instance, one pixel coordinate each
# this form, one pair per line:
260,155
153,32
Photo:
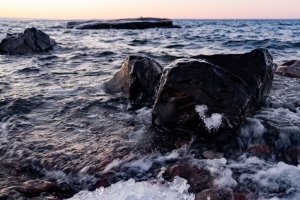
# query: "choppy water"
57,123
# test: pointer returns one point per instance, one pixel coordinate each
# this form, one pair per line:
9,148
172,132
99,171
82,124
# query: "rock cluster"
209,96
31,41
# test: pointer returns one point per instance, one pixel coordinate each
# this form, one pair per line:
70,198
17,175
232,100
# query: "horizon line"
59,19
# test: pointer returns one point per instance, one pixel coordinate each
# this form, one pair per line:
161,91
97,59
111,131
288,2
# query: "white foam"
213,122
222,175
2,37
3,133
131,190
144,115
60,91
121,116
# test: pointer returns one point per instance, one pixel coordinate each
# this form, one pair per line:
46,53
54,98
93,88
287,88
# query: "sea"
58,124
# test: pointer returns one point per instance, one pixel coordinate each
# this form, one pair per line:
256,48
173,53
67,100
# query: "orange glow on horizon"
112,9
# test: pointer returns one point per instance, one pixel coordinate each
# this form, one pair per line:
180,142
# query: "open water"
58,124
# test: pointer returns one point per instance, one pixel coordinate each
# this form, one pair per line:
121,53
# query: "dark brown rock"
198,179
35,187
260,149
294,155
133,23
211,97
31,41
290,68
137,80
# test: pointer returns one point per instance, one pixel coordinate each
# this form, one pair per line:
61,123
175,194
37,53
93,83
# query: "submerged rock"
137,79
290,68
133,23
35,187
31,41
213,94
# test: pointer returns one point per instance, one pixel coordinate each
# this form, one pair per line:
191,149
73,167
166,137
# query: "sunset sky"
112,9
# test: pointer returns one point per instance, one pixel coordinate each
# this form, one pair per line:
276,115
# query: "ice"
213,122
131,190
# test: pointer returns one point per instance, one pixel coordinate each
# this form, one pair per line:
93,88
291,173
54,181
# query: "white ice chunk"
131,190
213,122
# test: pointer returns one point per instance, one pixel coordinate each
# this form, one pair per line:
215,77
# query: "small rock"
294,155
137,80
212,155
260,149
35,187
290,68
198,179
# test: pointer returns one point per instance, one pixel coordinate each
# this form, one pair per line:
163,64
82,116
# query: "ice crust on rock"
213,122
131,190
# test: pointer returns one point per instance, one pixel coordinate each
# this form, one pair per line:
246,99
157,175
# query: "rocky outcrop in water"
137,79
31,41
133,23
290,68
211,96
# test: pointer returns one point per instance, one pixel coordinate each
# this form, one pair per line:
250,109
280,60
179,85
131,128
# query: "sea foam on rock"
213,94
137,80
31,41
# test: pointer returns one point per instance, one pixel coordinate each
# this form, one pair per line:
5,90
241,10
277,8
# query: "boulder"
137,80
133,23
211,96
290,68
31,41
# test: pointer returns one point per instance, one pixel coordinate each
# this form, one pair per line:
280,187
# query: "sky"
175,9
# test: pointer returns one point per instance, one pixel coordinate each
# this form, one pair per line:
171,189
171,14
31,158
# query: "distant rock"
131,23
31,41
290,68
137,80
212,96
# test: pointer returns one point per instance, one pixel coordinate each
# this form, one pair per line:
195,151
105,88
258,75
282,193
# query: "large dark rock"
212,96
133,23
137,79
31,41
290,68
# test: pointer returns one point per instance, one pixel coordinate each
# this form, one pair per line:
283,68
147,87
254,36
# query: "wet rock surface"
133,23
137,80
31,41
290,68
213,95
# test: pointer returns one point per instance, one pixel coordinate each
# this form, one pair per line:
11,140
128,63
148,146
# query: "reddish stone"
260,149
35,187
240,196
294,154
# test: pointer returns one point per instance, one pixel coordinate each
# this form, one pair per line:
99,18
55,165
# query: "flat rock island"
129,23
